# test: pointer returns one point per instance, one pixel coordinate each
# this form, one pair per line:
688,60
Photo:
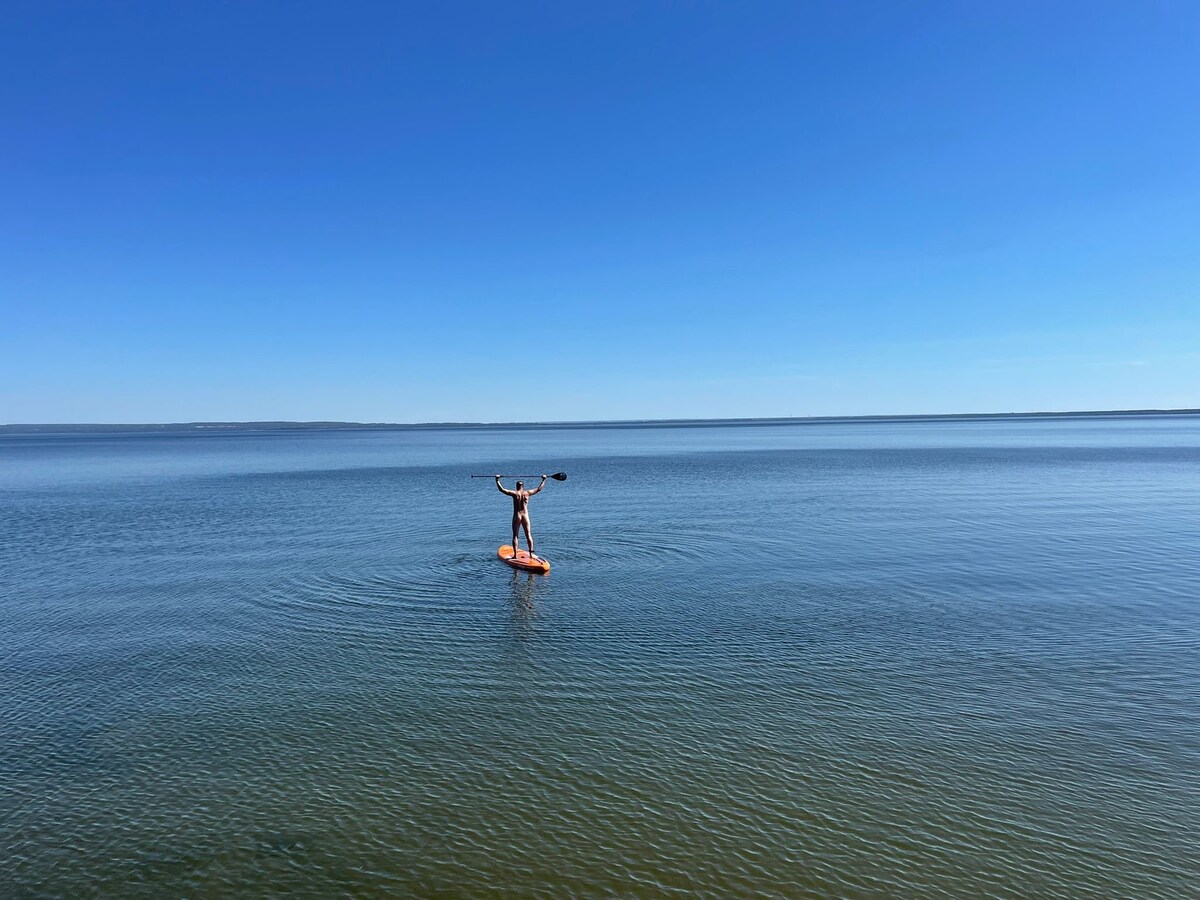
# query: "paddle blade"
559,476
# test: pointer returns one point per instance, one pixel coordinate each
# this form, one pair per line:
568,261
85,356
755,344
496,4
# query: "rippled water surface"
917,659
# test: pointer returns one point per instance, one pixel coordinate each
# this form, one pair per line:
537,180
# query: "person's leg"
528,536
516,530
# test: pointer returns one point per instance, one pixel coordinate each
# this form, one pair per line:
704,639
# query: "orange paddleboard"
523,561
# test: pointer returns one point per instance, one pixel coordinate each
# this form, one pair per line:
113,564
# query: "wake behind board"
523,561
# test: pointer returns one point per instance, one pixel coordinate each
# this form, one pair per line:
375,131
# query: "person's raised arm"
501,488
540,486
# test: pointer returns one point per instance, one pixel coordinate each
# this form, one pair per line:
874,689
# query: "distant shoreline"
281,426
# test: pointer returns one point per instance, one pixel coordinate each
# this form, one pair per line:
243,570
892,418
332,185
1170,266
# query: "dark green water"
909,659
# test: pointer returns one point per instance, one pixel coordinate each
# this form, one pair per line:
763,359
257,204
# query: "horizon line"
330,423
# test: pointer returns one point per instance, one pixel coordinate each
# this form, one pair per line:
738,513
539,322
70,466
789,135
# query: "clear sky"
496,211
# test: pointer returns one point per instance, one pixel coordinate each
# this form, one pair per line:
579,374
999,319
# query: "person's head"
520,484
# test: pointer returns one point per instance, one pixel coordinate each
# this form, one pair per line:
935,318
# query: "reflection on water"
956,659
522,598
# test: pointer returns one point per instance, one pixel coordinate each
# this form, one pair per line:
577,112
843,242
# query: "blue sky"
457,211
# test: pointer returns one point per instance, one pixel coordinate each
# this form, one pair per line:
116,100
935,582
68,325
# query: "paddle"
557,476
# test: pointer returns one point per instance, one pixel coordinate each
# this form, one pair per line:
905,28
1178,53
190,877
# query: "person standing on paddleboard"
520,499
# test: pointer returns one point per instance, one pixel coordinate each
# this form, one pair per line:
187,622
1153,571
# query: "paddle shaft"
557,476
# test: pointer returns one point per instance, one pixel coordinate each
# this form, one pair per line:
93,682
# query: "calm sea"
856,659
